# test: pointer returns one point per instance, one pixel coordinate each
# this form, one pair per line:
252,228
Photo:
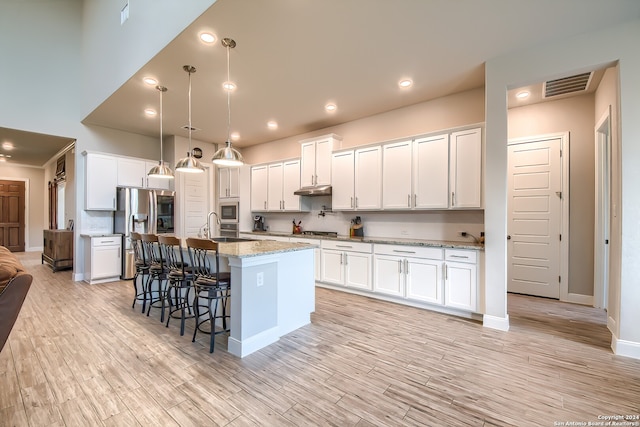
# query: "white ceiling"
294,56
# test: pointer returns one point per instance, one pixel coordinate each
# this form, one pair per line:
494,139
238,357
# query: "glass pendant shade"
228,156
161,170
189,164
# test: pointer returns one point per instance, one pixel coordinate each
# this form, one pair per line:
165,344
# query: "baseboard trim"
580,299
611,325
625,348
34,249
494,322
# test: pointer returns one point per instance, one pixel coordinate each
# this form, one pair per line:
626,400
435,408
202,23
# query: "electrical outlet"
463,233
260,279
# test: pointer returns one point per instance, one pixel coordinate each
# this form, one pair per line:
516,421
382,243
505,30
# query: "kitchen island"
272,291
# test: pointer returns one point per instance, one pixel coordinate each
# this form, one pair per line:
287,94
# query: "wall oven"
229,212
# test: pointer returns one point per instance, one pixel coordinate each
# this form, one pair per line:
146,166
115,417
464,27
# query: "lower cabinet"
347,264
103,259
461,280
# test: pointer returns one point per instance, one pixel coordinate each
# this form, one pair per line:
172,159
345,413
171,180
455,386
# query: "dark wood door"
12,215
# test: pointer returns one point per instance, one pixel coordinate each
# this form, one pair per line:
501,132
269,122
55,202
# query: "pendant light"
189,164
161,170
228,156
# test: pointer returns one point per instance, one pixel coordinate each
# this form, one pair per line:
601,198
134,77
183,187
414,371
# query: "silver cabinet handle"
312,183
453,198
283,205
446,272
408,200
459,256
341,255
346,259
265,204
356,202
403,252
415,200
406,266
344,246
400,266
352,201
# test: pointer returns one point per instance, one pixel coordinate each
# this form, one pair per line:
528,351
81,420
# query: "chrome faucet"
209,234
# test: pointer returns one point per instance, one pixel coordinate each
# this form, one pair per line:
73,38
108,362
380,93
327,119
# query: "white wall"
576,116
572,55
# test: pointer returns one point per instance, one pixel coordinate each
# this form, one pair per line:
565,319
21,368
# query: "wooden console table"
58,249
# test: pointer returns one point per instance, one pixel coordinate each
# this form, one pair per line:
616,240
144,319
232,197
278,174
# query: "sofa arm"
11,300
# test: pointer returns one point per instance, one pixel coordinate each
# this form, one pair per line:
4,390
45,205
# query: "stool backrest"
138,253
151,249
199,249
171,249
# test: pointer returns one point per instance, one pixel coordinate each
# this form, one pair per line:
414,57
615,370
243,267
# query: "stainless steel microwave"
229,212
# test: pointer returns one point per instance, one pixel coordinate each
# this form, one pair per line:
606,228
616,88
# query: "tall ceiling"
295,56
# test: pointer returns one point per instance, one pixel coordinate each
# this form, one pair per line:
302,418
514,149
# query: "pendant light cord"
190,127
160,89
228,98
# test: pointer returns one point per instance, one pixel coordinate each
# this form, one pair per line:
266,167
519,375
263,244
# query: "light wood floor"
80,356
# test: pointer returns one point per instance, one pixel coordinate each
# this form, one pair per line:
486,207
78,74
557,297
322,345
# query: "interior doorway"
602,209
12,215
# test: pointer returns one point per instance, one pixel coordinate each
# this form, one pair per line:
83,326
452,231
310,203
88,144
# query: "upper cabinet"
358,177
272,187
228,183
465,169
101,177
133,173
431,172
259,188
315,163
396,179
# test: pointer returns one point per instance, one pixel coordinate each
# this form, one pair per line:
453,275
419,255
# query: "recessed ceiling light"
229,86
150,112
207,37
272,124
235,136
405,83
5,155
2,159
330,107
150,81
7,146
522,95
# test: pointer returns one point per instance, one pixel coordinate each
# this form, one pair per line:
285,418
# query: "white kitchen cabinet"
388,276
291,183
259,188
346,264
342,196
465,169
101,177
228,183
431,172
368,178
131,172
424,280
461,279
274,187
397,192
315,160
103,262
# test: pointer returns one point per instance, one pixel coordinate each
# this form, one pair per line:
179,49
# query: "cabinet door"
223,183
234,182
460,285
368,178
158,183
396,176
101,181
290,183
424,280
259,188
388,276
342,197
274,187
105,261
131,173
332,266
323,161
466,169
357,273
308,164
431,172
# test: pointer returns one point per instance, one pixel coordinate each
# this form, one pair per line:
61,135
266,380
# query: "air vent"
573,84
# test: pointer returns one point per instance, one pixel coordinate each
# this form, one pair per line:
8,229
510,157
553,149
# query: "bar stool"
211,286
142,271
157,272
180,279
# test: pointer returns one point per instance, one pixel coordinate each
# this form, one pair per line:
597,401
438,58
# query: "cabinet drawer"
461,255
346,246
105,241
409,251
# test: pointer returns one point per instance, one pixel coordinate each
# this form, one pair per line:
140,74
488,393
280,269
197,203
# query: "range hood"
318,190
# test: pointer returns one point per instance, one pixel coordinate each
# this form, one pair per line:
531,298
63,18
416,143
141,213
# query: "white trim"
27,190
625,348
611,325
254,343
494,322
564,202
78,277
601,217
580,299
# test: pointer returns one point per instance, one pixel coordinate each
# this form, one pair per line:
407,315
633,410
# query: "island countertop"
259,247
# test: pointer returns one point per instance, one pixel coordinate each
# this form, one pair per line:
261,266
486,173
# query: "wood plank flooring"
80,356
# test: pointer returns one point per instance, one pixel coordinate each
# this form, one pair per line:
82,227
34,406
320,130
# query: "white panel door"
274,187
424,280
534,225
196,202
388,276
466,168
259,188
342,197
291,183
431,172
396,176
357,270
368,178
332,266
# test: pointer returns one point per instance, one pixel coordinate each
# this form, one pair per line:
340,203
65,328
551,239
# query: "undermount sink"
221,239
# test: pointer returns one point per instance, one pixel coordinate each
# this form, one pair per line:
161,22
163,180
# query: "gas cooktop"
320,233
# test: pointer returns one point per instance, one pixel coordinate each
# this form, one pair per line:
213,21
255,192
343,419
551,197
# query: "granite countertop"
258,248
98,234
379,240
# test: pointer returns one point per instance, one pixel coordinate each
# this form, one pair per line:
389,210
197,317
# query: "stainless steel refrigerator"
142,211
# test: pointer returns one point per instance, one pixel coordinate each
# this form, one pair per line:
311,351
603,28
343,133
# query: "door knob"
508,236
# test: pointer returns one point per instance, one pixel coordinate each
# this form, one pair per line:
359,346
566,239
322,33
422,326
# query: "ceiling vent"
573,84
